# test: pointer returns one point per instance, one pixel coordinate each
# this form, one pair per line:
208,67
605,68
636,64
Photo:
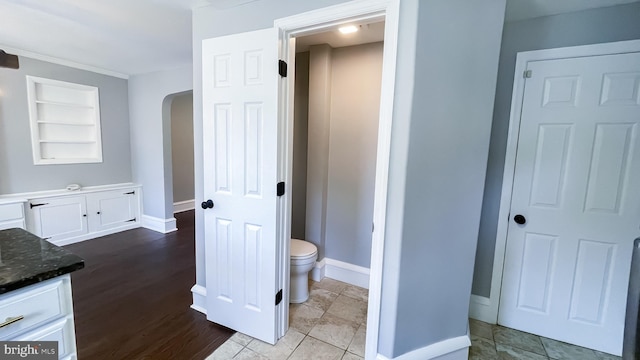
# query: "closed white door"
240,92
577,187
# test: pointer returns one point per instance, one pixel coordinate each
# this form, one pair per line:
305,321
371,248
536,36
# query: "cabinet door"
111,209
58,218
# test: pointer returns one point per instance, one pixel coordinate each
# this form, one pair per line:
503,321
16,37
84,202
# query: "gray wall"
17,171
319,120
182,147
456,63
342,96
580,28
300,128
150,98
438,151
353,138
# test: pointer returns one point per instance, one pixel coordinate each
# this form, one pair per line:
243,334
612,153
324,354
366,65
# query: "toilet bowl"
303,258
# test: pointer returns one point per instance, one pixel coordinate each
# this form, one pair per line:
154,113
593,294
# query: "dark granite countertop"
25,259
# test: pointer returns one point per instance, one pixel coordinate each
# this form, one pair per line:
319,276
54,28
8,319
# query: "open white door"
240,92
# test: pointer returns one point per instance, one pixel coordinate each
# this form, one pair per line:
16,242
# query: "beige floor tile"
518,339
482,349
311,348
280,350
248,354
481,329
359,341
563,351
506,352
350,356
303,317
356,292
335,331
331,285
241,338
321,298
350,309
226,351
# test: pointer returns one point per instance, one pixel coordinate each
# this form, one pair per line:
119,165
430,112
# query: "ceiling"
127,37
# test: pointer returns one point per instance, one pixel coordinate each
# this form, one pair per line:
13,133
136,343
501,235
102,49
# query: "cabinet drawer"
38,304
60,331
11,212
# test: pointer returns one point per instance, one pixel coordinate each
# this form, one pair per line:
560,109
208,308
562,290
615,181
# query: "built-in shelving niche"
65,122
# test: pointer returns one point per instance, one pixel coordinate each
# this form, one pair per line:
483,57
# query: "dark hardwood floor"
131,301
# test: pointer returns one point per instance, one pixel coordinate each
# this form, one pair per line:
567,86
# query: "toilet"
303,258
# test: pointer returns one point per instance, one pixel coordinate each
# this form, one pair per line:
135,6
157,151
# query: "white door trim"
490,312
310,22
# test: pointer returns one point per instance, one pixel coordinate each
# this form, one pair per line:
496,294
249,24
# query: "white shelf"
56,103
65,122
68,141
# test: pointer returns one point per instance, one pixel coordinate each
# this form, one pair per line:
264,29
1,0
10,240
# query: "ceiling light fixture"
348,29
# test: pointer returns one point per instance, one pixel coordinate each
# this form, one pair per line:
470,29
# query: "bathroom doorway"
335,134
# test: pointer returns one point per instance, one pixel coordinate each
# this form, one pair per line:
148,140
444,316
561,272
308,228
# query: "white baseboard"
199,298
342,271
160,225
451,349
96,234
182,206
480,309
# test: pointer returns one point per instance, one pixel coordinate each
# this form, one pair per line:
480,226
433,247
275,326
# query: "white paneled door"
240,92
576,188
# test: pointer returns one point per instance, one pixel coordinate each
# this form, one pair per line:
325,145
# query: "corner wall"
151,141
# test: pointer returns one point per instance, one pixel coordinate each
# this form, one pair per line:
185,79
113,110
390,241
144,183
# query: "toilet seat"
301,249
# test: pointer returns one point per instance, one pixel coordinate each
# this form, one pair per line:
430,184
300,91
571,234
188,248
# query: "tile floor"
332,325
497,342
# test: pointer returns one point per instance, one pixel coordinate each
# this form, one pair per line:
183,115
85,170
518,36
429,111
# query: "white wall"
182,147
149,114
17,171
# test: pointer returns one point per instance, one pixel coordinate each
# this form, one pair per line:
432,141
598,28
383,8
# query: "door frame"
310,22
481,308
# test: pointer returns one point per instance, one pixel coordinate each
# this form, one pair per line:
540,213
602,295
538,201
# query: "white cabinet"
84,214
12,215
45,312
109,209
58,218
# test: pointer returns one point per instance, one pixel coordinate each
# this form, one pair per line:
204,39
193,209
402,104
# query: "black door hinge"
279,297
280,188
282,68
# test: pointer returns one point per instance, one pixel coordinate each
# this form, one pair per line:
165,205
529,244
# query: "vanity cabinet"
84,214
